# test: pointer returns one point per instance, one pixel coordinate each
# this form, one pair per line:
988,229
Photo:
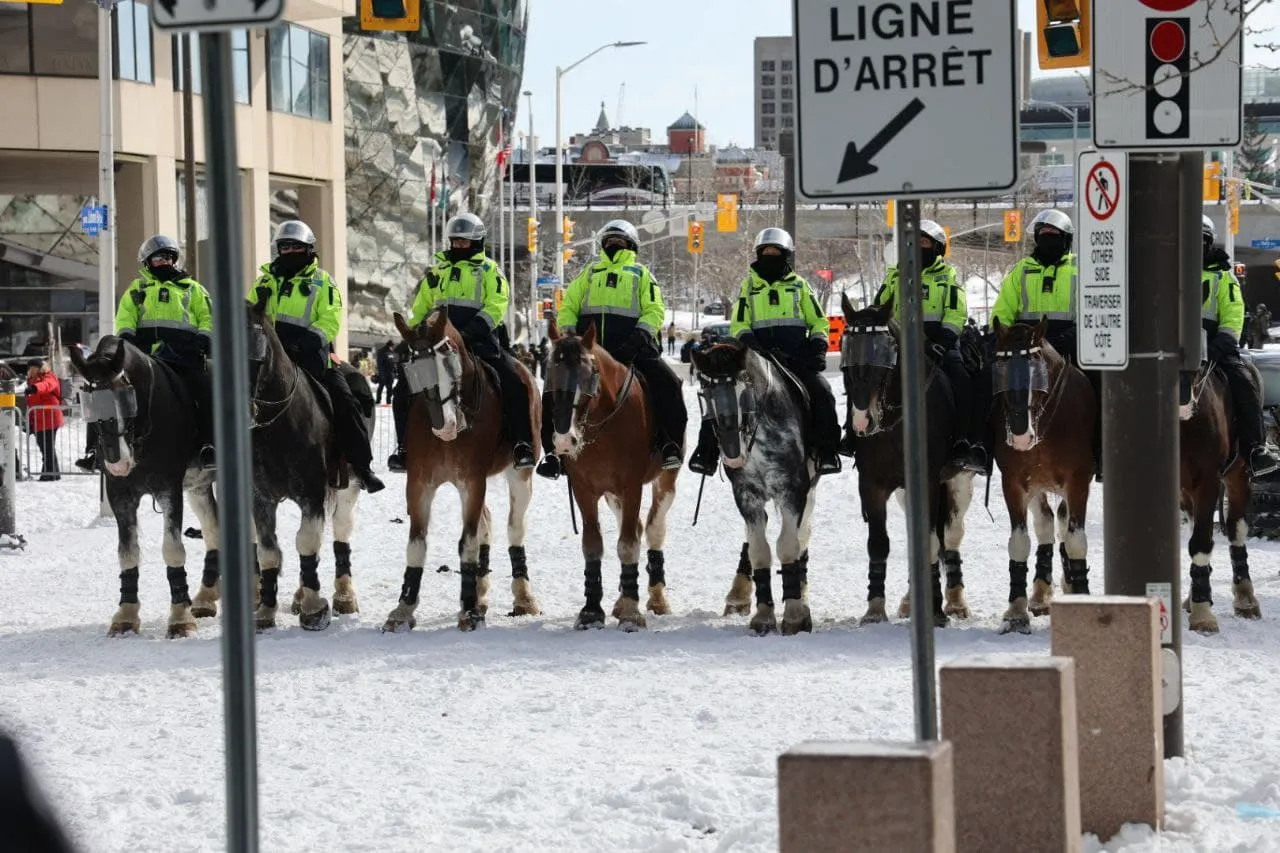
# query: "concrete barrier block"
836,797
1115,642
1011,722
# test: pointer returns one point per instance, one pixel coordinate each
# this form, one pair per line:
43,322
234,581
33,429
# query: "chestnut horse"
454,435
1209,463
602,426
1040,428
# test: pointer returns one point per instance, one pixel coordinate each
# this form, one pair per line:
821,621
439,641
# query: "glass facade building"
423,110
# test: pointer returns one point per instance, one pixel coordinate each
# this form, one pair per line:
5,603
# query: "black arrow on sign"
169,6
857,164
258,4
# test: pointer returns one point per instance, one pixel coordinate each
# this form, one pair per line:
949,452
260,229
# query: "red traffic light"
1168,41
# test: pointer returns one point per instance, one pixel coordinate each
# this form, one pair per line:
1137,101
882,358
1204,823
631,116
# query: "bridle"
258,351
113,406
562,380
1030,354
423,375
734,412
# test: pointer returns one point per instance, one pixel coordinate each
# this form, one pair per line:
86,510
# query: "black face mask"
771,268
457,255
289,265
1050,248
928,257
611,251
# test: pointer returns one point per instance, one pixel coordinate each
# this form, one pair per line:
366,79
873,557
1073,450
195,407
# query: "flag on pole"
432,197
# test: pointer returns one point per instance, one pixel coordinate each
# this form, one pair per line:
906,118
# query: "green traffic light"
1062,40
390,9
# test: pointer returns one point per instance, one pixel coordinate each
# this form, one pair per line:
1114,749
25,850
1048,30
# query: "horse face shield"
1016,376
867,355
438,373
732,410
114,412
571,387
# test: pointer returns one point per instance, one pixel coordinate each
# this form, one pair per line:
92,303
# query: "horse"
1209,463
873,389
455,435
146,439
602,418
760,415
1040,427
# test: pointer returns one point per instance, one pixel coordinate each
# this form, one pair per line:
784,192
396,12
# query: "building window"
15,39
767,80
786,108
787,122
766,94
786,65
298,72
766,121
64,40
787,94
766,65
239,64
767,109
786,79
132,25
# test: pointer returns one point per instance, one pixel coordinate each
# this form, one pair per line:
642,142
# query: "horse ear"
589,339
846,306
997,326
402,326
1041,328
117,359
553,330
77,359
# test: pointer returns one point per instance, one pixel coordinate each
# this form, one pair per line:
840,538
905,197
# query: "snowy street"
529,735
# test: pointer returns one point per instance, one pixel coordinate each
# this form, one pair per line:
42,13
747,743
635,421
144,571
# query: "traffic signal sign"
1013,226
568,230
1063,33
532,243
1212,181
890,212
390,15
1168,91
695,237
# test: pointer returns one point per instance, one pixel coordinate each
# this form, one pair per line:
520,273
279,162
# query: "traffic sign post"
1167,74
209,16
880,94
1101,255
93,218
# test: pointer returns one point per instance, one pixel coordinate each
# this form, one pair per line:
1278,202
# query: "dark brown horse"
603,421
455,435
1041,428
1209,463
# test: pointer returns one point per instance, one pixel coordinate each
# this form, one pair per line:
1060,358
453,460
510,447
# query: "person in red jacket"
44,389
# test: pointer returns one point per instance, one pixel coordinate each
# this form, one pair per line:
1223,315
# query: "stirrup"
1262,461
369,480
672,456
522,456
829,463
207,458
704,461
549,467
395,462
89,462
846,446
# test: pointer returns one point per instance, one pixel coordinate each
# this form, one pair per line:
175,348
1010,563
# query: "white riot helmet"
936,233
776,237
1208,229
156,244
465,226
294,231
620,228
1053,219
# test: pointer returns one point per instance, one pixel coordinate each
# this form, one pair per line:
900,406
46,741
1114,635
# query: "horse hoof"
317,621
940,620
763,627
1202,619
264,623
123,629
875,614
204,610
631,624
525,608
296,607
1248,611
904,607
180,630
737,608
470,621
657,602
959,611
798,626
589,617
1041,597
1019,624
1186,604
345,605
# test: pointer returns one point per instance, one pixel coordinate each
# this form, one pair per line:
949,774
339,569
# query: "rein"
283,403
135,441
619,399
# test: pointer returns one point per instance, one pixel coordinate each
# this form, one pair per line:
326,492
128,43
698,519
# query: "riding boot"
400,414
89,462
515,413
202,393
353,432
668,399
705,457
550,466
822,405
1248,412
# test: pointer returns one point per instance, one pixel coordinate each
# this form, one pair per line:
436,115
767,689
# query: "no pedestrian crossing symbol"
1101,257
905,99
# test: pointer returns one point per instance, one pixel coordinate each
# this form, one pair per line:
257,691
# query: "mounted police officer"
1222,317
306,308
166,314
621,298
1042,286
472,287
945,307
778,314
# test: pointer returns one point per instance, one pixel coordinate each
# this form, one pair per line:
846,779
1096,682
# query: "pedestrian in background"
44,414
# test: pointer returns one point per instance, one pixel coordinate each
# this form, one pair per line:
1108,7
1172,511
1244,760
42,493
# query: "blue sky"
691,43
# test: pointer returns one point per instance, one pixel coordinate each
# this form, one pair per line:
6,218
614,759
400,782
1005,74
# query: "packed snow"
530,736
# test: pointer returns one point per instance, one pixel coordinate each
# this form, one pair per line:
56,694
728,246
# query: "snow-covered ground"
529,735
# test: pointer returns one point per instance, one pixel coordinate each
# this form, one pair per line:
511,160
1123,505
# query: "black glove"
1216,258
476,330
749,340
818,347
128,336
632,346
1223,347
205,345
936,351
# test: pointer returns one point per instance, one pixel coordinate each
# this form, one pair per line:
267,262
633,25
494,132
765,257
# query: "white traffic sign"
208,16
1163,592
1167,74
905,99
1102,293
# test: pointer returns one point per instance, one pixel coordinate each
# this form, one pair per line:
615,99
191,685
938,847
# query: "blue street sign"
1266,244
548,280
93,219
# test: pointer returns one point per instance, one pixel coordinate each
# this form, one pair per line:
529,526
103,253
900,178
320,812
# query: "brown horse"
1208,464
454,435
603,422
1041,428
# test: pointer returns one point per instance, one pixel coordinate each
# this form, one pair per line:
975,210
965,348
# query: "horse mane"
721,359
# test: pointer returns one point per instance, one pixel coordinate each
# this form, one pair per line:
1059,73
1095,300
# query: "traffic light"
1062,33
533,235
567,225
1013,226
1212,181
1233,206
1168,95
390,15
890,212
1278,268
695,237
947,231
566,254
548,312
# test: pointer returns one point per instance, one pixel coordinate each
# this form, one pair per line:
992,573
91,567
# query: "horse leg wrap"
484,561
470,571
519,567
592,584
792,580
1018,579
1078,576
744,561
955,573
1062,555
629,583
411,586
270,588
1200,588
764,586
341,560
211,572
310,571
804,563
935,581
177,576
876,573
129,586
1239,563
1044,562
656,567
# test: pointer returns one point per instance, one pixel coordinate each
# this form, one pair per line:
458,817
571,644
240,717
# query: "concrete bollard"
1115,641
1011,720
836,797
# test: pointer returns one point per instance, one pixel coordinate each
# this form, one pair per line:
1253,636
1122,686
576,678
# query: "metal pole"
8,457
787,148
915,438
502,244
1075,164
533,214
106,174
1140,518
559,259
1192,254
231,433
189,158
1228,172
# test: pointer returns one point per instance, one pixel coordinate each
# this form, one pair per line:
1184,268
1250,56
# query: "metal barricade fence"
68,441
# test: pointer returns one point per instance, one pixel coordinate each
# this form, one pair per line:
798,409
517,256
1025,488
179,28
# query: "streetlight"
1074,115
560,72
533,214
